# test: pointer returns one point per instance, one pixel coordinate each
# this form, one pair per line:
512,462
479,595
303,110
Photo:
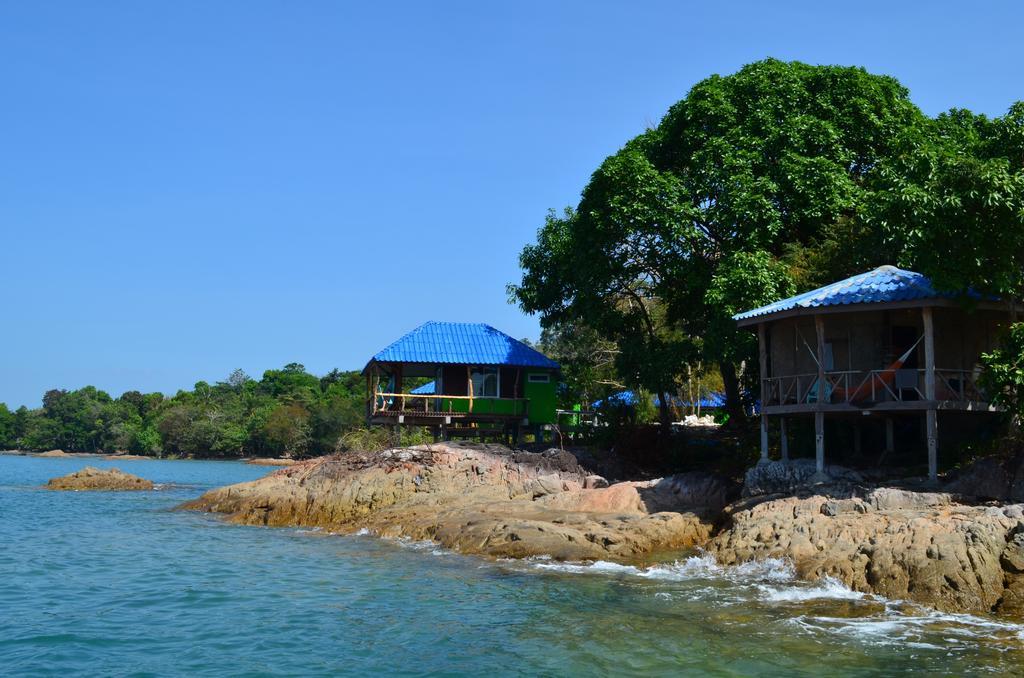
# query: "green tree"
951,203
8,439
1004,373
684,225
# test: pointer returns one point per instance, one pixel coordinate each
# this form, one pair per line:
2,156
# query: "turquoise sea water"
107,583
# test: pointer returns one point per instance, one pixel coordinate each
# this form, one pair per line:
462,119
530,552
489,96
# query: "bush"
1003,377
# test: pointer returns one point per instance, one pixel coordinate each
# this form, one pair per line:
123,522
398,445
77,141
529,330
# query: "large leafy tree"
951,203
689,222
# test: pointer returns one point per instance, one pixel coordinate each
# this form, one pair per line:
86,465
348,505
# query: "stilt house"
882,350
481,379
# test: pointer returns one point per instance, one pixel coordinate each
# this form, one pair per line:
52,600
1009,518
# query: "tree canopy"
775,179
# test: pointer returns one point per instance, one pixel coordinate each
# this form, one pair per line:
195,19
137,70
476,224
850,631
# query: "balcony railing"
388,404
857,387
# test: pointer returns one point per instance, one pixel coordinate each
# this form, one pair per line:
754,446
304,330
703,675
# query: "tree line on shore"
287,411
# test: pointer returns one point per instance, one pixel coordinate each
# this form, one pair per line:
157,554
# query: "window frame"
485,371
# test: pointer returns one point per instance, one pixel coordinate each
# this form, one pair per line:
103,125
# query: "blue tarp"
628,399
426,389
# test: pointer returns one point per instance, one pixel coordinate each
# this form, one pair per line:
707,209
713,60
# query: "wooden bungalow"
481,380
883,345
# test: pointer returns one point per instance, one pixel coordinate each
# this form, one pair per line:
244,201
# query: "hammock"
862,392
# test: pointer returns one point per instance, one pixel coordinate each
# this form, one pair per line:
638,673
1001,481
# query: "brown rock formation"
90,478
904,545
489,501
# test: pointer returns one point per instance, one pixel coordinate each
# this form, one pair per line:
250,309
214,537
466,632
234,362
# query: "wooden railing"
865,386
410,403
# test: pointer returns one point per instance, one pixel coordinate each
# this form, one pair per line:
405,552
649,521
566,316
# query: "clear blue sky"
187,187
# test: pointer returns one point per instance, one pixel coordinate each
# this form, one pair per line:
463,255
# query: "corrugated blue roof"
884,284
462,344
426,389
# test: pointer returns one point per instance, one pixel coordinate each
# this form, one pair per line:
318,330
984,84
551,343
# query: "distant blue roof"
628,399
462,344
427,389
884,284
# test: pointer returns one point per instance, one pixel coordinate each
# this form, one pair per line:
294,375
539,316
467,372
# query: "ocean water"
106,583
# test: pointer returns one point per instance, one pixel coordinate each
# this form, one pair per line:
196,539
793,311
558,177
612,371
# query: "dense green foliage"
1004,373
777,179
288,411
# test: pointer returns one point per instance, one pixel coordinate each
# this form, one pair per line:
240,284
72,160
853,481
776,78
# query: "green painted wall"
543,397
543,401
484,406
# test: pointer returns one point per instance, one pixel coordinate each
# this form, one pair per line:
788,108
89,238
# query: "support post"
932,426
931,416
784,439
819,414
762,350
819,442
764,438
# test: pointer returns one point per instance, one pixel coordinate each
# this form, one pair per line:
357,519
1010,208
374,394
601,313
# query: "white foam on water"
909,625
702,566
828,587
363,532
596,567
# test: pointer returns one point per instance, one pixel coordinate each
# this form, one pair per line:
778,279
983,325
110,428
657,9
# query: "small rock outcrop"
485,500
777,477
999,477
917,546
91,478
54,453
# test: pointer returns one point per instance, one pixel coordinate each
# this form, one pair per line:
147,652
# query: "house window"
485,382
538,378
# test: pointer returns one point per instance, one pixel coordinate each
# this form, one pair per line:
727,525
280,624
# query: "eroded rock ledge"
924,547
483,500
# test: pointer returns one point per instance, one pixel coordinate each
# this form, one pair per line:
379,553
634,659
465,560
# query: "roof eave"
755,320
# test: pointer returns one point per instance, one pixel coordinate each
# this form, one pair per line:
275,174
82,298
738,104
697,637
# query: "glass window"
485,382
538,378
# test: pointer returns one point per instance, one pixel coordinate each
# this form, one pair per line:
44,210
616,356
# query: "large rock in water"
91,478
484,500
904,545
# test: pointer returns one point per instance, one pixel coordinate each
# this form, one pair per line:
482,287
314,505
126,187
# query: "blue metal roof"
884,284
462,344
426,389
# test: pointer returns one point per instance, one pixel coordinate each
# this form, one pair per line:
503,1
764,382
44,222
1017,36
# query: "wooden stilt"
819,441
784,439
764,438
819,416
931,416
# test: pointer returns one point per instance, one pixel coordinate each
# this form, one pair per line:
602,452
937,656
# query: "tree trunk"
664,416
733,401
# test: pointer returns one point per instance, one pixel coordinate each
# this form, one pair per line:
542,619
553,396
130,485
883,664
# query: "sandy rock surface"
91,478
479,499
904,545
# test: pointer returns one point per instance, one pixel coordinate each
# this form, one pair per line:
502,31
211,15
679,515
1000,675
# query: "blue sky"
188,187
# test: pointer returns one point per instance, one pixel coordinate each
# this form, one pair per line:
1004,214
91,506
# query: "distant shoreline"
255,461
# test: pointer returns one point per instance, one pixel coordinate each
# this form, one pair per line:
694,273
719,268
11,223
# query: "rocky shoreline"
927,547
